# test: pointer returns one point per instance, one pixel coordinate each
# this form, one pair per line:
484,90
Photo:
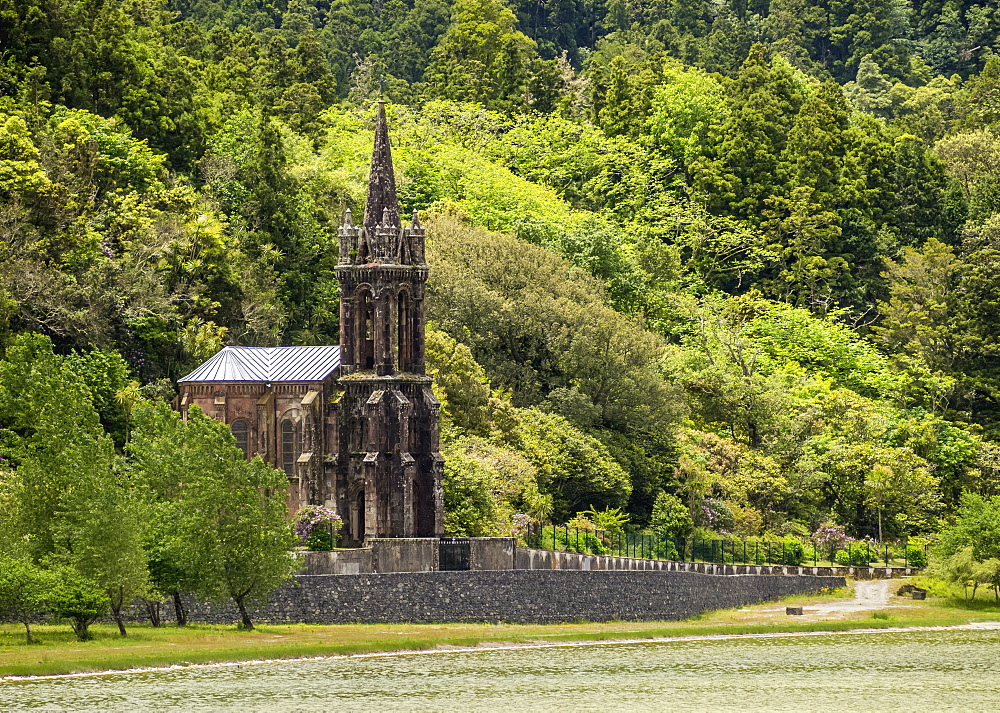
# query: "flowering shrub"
716,515
709,514
830,535
318,527
915,556
520,525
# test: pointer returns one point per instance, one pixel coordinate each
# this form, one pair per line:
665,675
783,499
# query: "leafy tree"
671,517
485,485
468,404
533,329
861,480
223,518
976,525
988,573
576,470
973,160
79,599
72,500
724,372
683,108
24,592
106,375
21,174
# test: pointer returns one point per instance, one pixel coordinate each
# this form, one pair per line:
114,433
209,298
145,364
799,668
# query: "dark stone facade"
521,596
362,438
389,469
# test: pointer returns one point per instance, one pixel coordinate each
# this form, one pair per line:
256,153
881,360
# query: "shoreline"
495,646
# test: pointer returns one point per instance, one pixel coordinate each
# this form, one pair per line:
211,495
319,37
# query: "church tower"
389,470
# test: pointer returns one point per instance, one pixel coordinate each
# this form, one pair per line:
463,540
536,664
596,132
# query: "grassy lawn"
58,651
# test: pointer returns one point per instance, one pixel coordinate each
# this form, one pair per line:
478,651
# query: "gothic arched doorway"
359,516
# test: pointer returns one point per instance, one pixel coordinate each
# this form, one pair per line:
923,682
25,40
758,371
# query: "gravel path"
868,596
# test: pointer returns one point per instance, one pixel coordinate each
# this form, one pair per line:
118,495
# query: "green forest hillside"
705,267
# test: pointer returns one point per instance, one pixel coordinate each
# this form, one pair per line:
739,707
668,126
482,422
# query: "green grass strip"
147,647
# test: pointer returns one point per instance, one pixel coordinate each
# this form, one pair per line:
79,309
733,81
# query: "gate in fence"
453,553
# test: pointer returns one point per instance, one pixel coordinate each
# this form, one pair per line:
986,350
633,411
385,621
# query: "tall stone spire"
382,201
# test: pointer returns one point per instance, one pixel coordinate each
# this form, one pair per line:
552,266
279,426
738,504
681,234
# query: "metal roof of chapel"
268,364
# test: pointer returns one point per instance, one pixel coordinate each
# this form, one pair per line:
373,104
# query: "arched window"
241,431
359,516
289,447
416,494
366,310
404,341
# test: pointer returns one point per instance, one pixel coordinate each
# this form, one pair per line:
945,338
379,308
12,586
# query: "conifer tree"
618,113
742,175
481,57
806,223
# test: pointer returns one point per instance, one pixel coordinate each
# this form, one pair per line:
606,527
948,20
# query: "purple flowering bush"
716,516
520,524
318,527
830,535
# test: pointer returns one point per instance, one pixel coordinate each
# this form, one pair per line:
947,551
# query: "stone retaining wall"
527,596
492,553
404,554
357,561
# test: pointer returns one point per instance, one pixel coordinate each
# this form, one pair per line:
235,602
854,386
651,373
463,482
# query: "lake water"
915,671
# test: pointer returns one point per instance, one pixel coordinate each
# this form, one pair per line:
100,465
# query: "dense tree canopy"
738,260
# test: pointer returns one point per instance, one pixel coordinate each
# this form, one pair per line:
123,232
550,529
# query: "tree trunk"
27,632
182,617
81,627
153,610
246,624
116,612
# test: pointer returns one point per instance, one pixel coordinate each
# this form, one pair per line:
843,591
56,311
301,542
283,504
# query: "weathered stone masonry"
521,596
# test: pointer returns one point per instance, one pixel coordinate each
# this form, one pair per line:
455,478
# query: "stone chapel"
354,426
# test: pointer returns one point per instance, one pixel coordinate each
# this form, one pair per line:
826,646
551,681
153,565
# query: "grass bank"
58,652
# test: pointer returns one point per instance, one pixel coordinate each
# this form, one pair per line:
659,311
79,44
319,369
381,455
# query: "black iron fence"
788,551
453,553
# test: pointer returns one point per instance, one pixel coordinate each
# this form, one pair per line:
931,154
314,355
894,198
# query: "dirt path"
871,595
